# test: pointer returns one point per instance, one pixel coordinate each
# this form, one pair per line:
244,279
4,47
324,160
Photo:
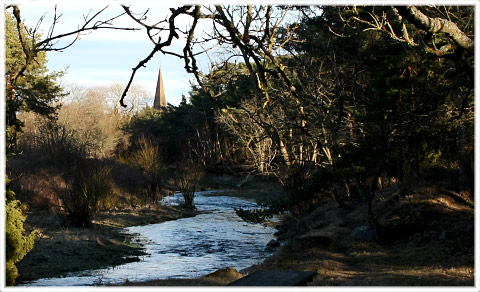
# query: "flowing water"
187,247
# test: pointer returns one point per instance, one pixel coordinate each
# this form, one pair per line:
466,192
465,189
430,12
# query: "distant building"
160,101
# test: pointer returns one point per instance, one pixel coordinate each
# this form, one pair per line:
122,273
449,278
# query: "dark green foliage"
18,244
186,130
167,128
374,107
254,215
358,107
144,124
29,87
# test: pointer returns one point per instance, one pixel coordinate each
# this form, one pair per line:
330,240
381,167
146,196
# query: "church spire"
160,101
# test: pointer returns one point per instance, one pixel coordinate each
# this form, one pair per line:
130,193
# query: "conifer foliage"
17,242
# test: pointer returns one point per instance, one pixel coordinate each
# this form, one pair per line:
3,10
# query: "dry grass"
440,253
142,215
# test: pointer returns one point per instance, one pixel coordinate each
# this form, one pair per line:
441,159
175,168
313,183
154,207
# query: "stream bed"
187,247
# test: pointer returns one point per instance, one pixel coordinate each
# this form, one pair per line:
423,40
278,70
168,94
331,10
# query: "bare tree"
417,26
247,33
32,45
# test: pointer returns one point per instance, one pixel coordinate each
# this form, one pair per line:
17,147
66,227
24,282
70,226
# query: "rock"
365,233
227,272
273,243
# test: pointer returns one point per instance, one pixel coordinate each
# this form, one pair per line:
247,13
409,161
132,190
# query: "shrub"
188,174
254,215
17,243
87,187
147,157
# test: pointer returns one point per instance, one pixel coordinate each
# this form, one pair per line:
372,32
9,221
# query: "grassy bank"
61,249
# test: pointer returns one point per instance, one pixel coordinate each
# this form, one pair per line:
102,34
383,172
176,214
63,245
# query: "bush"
89,185
17,243
254,215
188,174
147,157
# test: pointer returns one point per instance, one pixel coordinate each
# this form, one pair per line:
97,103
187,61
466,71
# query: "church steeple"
160,101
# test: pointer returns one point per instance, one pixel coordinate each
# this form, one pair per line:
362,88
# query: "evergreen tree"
29,84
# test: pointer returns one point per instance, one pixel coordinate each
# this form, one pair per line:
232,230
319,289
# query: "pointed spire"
160,101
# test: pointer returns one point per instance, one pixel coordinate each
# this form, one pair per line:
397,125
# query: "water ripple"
185,248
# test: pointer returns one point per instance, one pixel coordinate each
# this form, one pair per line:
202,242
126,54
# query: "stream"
187,247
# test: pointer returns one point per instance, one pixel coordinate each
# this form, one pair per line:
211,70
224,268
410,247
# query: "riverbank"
63,249
60,250
442,254
222,277
428,240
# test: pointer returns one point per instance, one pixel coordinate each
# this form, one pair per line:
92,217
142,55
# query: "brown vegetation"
427,240
187,175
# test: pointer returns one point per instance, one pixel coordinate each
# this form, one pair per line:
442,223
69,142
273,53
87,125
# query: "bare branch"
247,23
29,55
47,44
435,25
139,21
158,46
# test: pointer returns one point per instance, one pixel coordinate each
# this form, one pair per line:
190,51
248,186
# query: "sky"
108,56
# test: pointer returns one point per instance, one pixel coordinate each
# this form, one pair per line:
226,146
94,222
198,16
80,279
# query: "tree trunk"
285,155
188,197
369,198
347,188
315,153
338,198
463,180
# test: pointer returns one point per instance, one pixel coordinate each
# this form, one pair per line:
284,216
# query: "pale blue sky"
107,56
